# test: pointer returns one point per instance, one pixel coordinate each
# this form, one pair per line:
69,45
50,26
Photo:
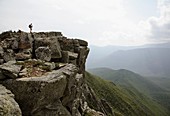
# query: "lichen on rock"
8,106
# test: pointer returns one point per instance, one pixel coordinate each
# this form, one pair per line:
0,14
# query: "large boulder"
43,53
8,106
25,41
10,70
82,56
9,55
52,43
44,93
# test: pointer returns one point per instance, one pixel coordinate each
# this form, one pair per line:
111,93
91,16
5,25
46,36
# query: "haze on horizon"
100,22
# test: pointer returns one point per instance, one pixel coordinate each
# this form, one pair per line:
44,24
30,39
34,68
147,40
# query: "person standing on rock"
30,26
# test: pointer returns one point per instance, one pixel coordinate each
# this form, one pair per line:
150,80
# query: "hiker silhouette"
30,26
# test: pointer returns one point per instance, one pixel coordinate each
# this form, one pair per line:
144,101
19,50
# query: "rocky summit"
42,74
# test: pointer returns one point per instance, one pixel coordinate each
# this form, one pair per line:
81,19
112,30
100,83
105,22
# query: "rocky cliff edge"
45,72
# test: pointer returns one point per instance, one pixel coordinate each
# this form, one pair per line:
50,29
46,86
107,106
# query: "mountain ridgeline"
125,102
151,71
148,60
141,88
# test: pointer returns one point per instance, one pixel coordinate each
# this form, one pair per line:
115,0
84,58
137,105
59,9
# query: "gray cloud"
78,18
160,31
160,27
97,21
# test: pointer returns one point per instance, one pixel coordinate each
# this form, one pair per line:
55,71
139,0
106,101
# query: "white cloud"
100,22
159,27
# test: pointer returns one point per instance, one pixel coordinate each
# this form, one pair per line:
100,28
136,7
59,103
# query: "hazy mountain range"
148,60
126,99
135,83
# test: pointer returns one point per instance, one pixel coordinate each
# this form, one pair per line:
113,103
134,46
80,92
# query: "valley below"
141,73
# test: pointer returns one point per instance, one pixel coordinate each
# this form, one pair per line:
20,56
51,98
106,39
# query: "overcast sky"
100,22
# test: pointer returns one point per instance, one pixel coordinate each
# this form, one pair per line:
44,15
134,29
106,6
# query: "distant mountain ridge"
126,78
152,60
132,81
125,102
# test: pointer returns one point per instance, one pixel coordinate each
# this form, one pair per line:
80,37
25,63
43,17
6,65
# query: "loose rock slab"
8,106
10,69
43,93
43,53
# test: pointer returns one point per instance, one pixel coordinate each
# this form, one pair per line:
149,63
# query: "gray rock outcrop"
43,53
8,106
10,70
45,72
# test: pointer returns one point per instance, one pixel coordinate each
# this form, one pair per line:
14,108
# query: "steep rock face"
49,46
96,103
45,72
8,106
44,95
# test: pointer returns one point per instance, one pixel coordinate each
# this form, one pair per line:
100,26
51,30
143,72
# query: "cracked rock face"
10,70
45,72
43,53
51,48
57,92
8,106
